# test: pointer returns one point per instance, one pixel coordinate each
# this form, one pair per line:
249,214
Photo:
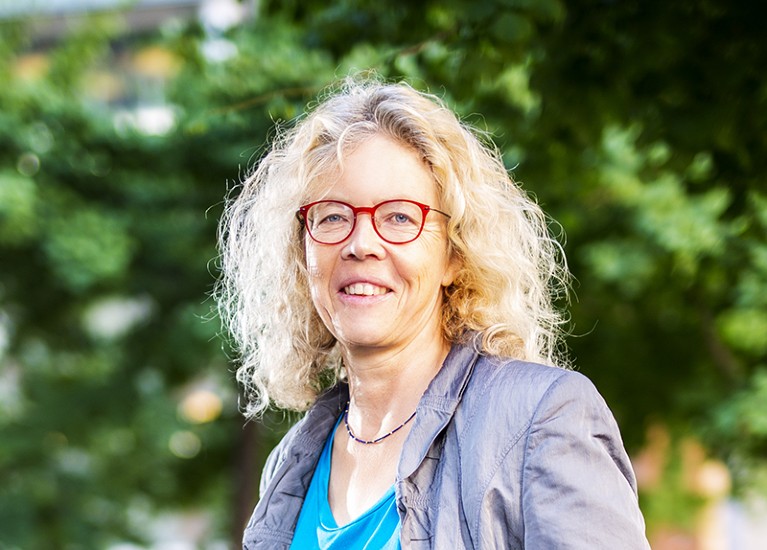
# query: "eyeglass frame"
356,210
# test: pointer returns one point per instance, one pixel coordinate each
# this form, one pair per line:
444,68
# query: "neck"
386,385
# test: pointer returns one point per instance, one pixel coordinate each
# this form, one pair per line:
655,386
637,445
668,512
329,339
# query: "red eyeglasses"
397,221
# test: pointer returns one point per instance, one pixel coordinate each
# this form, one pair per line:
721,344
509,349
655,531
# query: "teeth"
364,289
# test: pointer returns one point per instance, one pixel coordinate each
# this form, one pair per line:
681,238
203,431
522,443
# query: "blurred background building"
133,83
53,18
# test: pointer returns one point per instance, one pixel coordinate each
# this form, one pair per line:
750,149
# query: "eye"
332,218
399,218
329,214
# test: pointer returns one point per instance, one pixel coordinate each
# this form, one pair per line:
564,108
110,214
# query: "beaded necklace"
372,441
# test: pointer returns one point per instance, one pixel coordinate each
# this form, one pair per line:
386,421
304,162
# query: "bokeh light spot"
184,444
200,406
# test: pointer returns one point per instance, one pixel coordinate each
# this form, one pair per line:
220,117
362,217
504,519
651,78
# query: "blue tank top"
376,529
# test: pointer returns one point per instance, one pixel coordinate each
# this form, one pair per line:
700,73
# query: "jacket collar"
438,405
320,420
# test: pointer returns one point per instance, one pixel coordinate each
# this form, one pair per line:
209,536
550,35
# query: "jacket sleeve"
578,487
275,458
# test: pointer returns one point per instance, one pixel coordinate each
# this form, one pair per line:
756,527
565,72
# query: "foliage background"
641,127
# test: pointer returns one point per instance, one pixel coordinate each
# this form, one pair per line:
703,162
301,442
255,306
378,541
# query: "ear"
453,267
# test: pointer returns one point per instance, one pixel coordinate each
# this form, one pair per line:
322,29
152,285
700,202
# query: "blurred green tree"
640,127
118,402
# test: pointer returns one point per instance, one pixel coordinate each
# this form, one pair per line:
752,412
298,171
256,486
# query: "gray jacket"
502,454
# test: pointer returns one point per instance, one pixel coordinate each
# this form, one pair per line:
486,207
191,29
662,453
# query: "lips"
364,289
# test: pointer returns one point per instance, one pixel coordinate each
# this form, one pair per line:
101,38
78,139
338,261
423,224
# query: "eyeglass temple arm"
439,211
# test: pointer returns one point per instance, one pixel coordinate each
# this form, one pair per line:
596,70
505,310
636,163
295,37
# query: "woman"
382,271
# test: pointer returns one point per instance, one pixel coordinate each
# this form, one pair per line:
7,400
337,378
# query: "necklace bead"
377,440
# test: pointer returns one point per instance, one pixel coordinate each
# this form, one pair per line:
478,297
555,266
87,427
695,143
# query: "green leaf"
745,330
87,246
18,209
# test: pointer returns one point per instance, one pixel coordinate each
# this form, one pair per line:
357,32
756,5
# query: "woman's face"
369,293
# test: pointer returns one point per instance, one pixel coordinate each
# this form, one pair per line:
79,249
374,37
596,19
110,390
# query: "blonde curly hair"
511,271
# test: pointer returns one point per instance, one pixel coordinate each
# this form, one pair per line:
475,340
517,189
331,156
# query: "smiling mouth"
364,289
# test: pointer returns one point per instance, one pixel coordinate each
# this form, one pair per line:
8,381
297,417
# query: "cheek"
312,268
312,261
317,272
431,268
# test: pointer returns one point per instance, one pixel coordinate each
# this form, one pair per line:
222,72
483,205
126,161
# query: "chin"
362,338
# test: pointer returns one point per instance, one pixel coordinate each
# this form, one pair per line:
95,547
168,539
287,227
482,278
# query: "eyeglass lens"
395,221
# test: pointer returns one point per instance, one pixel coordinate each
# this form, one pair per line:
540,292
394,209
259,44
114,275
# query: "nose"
364,242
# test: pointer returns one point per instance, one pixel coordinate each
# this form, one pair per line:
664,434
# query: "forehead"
375,170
